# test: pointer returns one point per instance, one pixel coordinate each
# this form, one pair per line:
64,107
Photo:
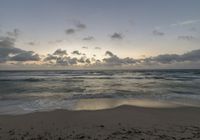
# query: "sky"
61,34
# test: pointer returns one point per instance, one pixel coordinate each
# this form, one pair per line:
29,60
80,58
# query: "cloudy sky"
60,34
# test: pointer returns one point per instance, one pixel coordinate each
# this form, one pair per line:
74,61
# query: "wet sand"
125,122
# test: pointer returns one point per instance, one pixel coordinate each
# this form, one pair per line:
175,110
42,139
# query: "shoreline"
96,104
124,122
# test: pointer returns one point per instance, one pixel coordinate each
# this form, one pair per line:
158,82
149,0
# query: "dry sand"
125,122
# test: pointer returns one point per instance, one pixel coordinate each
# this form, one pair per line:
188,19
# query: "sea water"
29,91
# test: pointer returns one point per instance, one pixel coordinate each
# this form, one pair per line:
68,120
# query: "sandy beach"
124,122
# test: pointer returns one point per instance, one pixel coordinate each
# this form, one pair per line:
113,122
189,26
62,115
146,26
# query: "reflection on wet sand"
98,104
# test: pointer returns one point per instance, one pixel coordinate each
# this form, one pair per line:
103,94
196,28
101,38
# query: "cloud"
88,61
165,58
115,60
109,53
84,47
55,42
8,52
186,37
59,58
97,48
60,52
76,52
187,22
80,25
84,60
191,56
89,38
66,61
158,33
7,48
70,31
15,33
25,56
31,43
50,58
116,36
81,60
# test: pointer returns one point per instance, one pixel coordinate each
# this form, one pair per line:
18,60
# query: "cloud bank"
8,51
10,54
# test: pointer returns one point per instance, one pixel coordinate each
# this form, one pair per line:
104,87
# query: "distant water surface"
28,91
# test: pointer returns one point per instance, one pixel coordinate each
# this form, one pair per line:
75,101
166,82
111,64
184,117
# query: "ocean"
30,91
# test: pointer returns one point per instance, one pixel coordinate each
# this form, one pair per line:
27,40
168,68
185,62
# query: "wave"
26,79
68,86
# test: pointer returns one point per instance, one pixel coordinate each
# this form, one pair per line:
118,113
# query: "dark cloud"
76,52
70,31
97,48
60,59
82,60
165,58
60,52
89,38
32,43
8,52
192,56
116,36
88,61
7,48
80,25
15,33
109,53
158,33
186,37
84,47
50,58
66,61
115,60
72,61
98,61
25,56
